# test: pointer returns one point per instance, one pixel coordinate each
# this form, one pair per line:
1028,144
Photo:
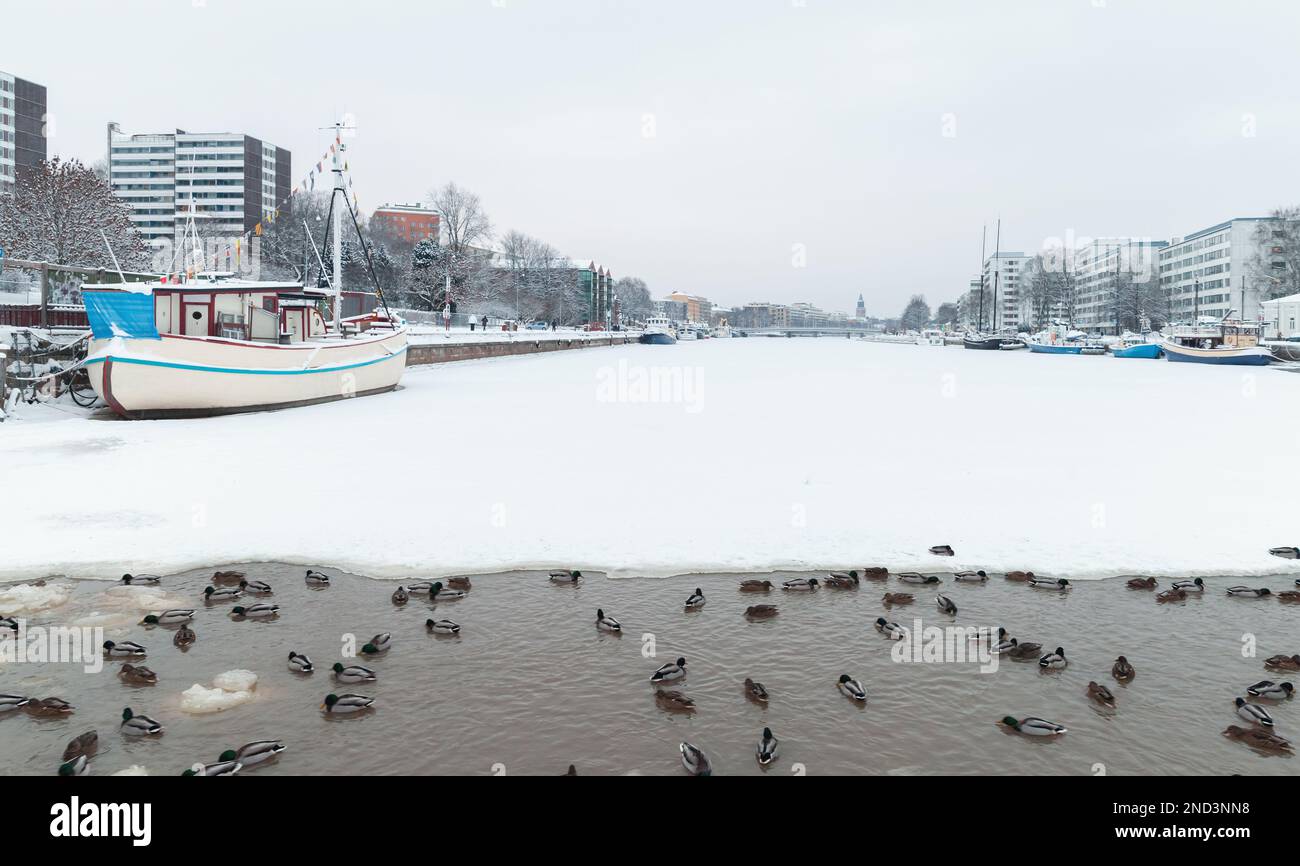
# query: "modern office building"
1104,270
1002,274
697,309
1229,268
230,182
409,222
23,108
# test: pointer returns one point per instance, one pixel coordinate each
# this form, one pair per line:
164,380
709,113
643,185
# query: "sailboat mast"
338,197
997,265
984,239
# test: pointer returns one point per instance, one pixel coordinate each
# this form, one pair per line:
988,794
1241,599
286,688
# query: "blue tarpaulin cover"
121,314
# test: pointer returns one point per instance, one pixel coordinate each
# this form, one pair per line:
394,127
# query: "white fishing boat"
1216,341
931,337
659,332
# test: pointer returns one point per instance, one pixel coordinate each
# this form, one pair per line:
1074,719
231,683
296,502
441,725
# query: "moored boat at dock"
1212,341
659,332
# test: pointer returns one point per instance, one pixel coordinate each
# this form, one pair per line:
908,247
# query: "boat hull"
1150,351
1255,356
658,339
983,343
187,377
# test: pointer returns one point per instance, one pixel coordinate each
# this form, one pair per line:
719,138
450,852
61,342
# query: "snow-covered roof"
1289,299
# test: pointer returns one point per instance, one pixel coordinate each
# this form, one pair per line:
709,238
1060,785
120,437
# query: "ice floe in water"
138,598
29,598
133,770
229,689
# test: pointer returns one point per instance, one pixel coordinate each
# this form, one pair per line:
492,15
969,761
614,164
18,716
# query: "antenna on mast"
340,189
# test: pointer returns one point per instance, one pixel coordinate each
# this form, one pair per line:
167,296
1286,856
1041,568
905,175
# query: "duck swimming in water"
761,611
441,626
401,596
1196,585
75,767
1025,651
184,637
253,754
891,630
851,688
875,572
1171,595
380,643
565,576
1271,691
1258,738
213,595
50,707
801,584
1054,661
892,598
694,760
768,748
138,726
1142,583
227,577
125,649
317,578
674,701
695,600
1285,663
300,663
255,587
1289,596
1247,592
756,586
842,580
137,674
1101,695
438,592
1057,584
175,616
9,703
755,691
353,674
1123,671
141,579
339,705
220,768
260,610
917,577
971,576
669,672
607,623
945,605
1033,727
1019,576
1253,713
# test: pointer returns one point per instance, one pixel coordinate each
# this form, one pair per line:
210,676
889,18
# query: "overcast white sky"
775,122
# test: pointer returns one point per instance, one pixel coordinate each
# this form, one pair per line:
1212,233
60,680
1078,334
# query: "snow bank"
230,689
783,454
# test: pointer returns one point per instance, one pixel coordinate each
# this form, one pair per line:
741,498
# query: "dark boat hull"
982,343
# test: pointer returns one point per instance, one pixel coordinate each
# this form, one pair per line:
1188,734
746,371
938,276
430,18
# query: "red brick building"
410,222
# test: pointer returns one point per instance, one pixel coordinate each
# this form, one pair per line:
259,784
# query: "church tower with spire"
862,308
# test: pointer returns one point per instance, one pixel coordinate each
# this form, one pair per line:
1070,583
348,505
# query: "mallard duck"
9,622
1258,738
917,577
261,610
674,701
124,649
380,643
756,586
342,704
1057,584
175,616
941,550
9,703
213,595
1247,592
299,663
401,596
970,576
255,587
1196,585
801,584
138,726
1171,595
438,593
565,576
1101,694
875,572
419,588
220,768
441,626
86,744
50,707
851,688
767,748
1286,663
228,577
253,753
607,623
572,771
761,611
695,600
184,637
137,674
1033,727
1142,583
695,761
1289,596
1272,691
316,578
1025,650
755,691
1004,644
669,672
1285,552
75,767
141,579
1123,671
891,630
842,580
1019,576
1055,661
892,598
459,583
1253,713
945,605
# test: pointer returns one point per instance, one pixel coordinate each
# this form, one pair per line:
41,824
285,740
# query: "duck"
1253,713
1005,644
1123,671
761,611
255,587
801,584
694,760
674,701
50,707
917,577
421,587
1025,650
75,767
1289,596
767,748
756,586
138,726
572,771
9,622
842,580
875,572
1258,738
441,626
891,630
438,592
669,672
1057,584
317,578
343,704
299,663
852,688
695,600
1285,552
459,583
945,605
971,576
1101,694
1272,691
86,744
941,550
212,595
1019,576
175,616
1196,585
1033,726
137,674
227,576
1171,595
892,598
141,579
9,703
401,596
573,577
125,649
184,637
1142,583
1286,663
253,753
607,623
220,768
261,610
1054,661
755,691
1248,592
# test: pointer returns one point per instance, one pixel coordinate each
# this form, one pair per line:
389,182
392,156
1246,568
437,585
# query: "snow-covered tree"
946,314
1277,260
916,315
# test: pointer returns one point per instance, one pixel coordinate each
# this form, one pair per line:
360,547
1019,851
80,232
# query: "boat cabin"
1212,333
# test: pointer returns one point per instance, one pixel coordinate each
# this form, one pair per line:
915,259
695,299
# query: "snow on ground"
769,453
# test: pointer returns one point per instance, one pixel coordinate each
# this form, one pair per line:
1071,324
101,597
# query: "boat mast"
984,239
997,266
336,214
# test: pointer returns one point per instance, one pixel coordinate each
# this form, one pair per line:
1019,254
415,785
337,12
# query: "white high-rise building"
1226,268
1101,269
1002,271
229,181
22,127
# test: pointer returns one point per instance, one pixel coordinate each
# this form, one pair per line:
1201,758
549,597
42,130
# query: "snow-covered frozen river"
724,455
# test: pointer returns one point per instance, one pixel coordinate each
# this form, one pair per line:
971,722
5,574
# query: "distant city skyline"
733,150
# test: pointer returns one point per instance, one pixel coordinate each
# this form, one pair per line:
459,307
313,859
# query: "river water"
530,685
